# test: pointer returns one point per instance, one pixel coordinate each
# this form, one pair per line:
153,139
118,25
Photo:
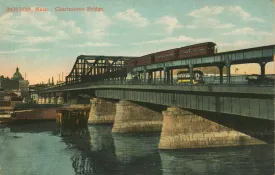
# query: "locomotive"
192,51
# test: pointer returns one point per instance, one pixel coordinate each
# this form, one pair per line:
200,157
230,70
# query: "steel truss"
94,68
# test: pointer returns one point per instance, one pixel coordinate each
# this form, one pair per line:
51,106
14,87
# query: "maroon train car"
145,60
167,55
130,63
201,49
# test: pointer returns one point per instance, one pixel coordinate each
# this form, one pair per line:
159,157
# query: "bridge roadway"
242,100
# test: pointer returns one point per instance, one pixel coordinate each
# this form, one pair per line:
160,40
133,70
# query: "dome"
17,75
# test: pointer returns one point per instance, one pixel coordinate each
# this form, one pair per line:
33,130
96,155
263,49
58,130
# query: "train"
191,51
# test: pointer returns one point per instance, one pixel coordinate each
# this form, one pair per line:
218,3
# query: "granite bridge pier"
227,113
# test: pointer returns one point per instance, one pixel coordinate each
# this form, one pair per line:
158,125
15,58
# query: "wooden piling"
73,117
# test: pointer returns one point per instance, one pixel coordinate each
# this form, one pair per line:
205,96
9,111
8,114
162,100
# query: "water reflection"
231,160
36,148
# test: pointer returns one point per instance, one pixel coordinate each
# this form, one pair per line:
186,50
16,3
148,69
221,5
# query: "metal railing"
211,80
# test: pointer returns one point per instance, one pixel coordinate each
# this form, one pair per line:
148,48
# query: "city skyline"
45,44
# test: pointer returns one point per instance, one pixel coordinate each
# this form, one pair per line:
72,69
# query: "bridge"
223,113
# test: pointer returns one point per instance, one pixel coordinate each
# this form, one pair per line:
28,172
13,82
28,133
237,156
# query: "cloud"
92,44
35,40
133,17
209,23
25,24
97,25
242,13
181,38
23,50
206,11
171,23
248,31
209,11
226,46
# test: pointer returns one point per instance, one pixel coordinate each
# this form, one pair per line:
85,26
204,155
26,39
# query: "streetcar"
183,77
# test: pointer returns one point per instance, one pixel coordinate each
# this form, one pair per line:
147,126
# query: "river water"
42,149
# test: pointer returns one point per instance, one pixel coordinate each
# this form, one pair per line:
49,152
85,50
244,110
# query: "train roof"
211,43
165,50
159,52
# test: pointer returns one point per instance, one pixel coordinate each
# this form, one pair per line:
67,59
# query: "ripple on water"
41,149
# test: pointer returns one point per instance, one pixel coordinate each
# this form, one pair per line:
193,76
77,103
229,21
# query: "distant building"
17,75
9,98
1,94
16,84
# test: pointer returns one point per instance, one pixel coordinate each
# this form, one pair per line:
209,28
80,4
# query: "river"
41,149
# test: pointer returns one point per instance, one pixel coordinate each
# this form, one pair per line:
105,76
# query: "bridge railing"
211,80
160,81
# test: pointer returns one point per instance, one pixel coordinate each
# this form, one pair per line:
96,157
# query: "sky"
46,43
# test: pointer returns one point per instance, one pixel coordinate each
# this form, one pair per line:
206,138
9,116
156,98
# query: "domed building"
16,84
17,75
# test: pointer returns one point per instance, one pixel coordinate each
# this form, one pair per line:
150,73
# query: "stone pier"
131,117
102,111
183,129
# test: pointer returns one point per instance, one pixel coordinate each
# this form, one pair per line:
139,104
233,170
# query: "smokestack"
59,77
25,76
62,76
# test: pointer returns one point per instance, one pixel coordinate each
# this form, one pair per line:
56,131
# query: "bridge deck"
238,89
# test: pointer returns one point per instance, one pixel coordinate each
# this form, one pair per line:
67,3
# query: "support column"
183,129
168,76
131,117
262,65
165,75
101,111
144,75
221,73
191,73
228,73
171,77
150,76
